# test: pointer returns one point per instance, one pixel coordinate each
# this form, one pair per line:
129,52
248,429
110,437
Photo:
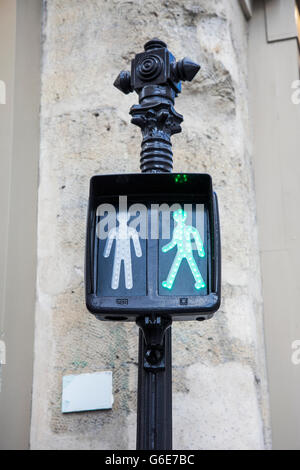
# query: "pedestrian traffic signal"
153,246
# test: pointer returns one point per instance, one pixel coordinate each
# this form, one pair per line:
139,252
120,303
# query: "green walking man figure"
182,238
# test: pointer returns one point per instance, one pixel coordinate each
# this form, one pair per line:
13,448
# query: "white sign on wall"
2,92
2,352
87,392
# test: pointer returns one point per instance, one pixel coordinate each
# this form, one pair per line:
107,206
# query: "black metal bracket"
154,329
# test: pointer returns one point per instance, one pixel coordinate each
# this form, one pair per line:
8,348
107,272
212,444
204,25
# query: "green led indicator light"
180,178
182,239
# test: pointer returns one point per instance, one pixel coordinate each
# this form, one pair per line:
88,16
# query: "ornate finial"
156,77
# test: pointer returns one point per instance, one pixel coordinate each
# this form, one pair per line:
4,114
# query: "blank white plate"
86,392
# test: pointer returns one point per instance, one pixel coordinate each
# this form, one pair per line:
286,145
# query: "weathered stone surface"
220,391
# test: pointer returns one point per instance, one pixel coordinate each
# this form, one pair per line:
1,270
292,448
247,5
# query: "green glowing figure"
182,238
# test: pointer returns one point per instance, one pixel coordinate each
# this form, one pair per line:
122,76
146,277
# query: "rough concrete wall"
219,384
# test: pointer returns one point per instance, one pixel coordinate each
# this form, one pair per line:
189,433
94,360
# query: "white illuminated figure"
182,239
122,234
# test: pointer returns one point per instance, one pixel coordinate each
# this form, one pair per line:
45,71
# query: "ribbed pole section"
156,154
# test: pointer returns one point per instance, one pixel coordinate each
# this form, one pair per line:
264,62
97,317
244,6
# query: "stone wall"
219,383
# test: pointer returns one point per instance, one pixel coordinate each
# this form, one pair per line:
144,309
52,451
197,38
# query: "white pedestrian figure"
122,234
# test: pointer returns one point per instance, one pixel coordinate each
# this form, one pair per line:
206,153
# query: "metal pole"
154,404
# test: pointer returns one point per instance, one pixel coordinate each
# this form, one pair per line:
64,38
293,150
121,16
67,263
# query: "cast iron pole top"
156,66
156,77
